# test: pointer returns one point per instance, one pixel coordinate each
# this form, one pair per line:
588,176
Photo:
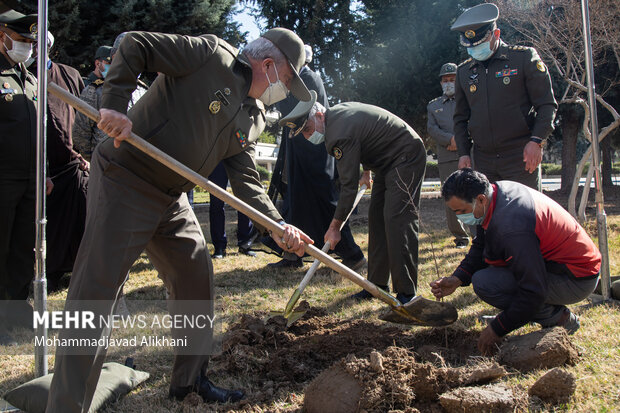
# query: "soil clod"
487,399
556,386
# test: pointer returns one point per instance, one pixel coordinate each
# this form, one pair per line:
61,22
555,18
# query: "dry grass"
245,285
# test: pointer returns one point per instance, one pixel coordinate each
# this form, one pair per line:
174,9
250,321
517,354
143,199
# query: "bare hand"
532,156
49,186
84,164
488,342
366,179
464,162
332,236
444,286
115,125
293,240
452,146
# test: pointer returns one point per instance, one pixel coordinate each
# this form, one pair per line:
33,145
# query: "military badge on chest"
7,92
473,80
216,105
506,74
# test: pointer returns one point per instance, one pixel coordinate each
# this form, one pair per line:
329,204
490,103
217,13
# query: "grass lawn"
244,285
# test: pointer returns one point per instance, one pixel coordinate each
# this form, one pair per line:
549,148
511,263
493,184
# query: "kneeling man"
356,133
530,257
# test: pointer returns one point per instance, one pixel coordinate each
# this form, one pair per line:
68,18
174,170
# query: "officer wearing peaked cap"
440,127
18,126
356,133
206,107
504,101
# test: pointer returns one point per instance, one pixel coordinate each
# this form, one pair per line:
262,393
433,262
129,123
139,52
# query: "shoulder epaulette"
434,100
520,48
98,82
465,62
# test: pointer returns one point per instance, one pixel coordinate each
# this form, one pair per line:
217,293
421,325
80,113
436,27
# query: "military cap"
23,24
103,53
293,48
297,118
476,23
447,69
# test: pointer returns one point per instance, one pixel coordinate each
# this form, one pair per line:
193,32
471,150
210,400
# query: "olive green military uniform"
383,143
86,134
440,127
500,104
199,112
18,130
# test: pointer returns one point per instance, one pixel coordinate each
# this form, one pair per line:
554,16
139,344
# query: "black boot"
209,392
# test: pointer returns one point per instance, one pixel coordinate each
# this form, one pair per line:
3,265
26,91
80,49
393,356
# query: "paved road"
549,184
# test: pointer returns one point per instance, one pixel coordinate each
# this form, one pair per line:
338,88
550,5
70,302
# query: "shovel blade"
422,312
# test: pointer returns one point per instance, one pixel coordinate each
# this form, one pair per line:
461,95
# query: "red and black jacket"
532,235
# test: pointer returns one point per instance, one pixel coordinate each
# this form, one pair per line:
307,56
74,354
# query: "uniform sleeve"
172,55
442,137
245,183
349,175
528,266
474,260
84,128
540,91
462,113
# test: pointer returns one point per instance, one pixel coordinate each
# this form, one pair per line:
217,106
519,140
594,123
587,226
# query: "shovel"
290,315
418,311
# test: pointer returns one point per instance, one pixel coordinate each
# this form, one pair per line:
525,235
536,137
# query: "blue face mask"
105,70
481,52
470,219
316,138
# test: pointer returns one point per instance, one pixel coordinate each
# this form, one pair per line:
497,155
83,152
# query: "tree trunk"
606,164
571,125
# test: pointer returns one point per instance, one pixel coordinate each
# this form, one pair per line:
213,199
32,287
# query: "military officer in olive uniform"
357,133
18,129
440,127
206,106
86,134
504,102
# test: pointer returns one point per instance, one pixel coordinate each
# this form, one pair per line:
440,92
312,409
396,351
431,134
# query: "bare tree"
554,28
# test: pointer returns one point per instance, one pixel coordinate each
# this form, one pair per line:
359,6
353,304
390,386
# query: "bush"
267,137
265,175
551,169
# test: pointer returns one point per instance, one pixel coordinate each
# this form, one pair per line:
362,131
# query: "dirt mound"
390,380
541,349
556,386
487,399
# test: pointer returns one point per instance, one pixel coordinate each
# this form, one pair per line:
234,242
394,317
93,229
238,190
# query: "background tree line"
383,52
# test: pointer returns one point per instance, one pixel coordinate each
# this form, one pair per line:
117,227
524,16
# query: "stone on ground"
487,399
556,386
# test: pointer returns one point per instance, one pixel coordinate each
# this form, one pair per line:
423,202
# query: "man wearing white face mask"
504,102
356,133
205,107
18,126
441,128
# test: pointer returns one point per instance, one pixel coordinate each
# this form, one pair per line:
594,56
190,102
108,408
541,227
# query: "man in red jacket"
529,258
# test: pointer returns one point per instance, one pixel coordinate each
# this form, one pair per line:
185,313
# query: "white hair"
262,48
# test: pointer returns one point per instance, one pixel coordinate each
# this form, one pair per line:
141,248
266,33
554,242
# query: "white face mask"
275,92
20,51
448,88
317,138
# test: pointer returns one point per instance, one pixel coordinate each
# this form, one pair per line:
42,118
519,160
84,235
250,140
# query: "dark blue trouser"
217,218
497,286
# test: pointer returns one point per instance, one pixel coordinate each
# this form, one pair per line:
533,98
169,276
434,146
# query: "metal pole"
40,282
601,217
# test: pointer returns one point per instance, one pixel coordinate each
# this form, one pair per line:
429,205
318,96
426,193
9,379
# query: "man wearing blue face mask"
504,102
356,133
530,257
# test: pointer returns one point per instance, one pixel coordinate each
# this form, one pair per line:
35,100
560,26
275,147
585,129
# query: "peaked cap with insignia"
23,24
297,118
476,23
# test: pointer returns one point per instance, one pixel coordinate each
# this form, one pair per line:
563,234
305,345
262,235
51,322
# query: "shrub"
267,137
265,175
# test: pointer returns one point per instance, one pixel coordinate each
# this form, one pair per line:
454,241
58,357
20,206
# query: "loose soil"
556,386
350,365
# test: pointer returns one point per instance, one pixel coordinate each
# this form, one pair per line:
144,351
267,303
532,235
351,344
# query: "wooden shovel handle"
231,200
